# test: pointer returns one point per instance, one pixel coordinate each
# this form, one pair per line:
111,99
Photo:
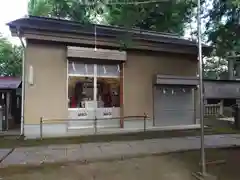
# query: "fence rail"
213,109
95,121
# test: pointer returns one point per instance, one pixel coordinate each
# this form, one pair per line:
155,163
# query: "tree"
40,8
66,9
223,27
223,34
169,16
10,58
215,68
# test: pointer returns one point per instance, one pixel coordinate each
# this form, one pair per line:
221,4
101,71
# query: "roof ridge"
51,18
60,24
134,29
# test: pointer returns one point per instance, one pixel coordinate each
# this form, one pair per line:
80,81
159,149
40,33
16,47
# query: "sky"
11,10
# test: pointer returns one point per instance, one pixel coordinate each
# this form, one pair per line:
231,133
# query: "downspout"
23,82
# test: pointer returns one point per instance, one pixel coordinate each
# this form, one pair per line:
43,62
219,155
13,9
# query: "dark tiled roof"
10,82
59,25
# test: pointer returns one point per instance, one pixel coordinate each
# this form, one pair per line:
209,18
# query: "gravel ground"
175,166
160,167
111,150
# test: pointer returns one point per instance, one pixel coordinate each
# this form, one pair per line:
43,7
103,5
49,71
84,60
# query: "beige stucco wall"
48,96
138,78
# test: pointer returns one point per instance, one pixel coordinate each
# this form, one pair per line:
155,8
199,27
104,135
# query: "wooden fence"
213,109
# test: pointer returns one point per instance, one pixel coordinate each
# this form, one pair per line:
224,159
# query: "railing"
213,109
95,121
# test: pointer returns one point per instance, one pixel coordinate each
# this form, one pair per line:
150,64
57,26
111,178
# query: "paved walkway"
98,151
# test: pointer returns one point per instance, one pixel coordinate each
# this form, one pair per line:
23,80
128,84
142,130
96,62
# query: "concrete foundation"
74,129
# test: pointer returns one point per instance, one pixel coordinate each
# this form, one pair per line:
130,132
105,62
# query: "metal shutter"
173,106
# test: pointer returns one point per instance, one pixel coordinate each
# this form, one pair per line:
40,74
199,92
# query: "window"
80,69
108,71
80,84
93,85
108,86
108,92
80,91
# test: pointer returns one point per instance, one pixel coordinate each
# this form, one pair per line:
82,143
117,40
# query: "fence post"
221,107
95,125
41,128
145,118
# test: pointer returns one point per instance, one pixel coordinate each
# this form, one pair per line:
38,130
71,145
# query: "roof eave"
16,25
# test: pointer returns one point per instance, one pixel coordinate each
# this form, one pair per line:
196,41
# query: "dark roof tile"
60,25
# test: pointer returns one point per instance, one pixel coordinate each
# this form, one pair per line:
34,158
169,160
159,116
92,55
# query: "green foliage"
215,68
170,17
66,9
223,27
10,58
40,8
223,33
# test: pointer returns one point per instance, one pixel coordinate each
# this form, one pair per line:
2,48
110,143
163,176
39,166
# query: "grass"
225,130
220,126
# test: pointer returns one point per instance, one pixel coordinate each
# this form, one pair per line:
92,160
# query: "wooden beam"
121,95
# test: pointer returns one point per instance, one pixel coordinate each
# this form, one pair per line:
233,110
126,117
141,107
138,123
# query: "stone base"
33,131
